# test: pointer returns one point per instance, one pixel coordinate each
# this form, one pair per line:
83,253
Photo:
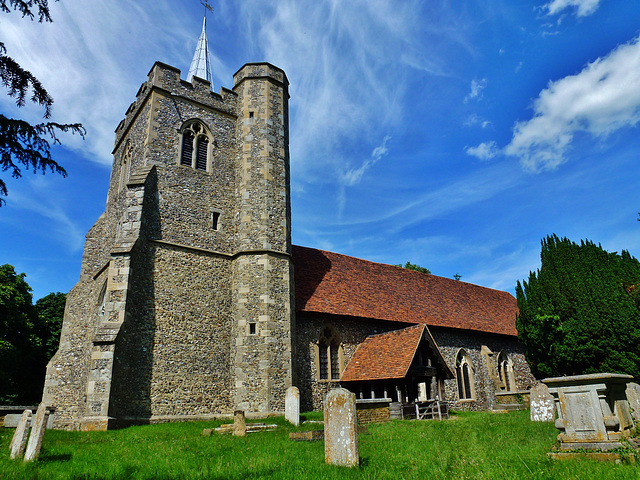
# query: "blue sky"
452,134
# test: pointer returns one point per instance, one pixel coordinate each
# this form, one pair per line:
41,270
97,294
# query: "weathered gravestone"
633,396
19,439
593,411
341,428
239,424
292,406
542,404
37,432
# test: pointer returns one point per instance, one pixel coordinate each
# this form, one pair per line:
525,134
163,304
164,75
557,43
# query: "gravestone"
37,432
19,439
542,404
239,424
593,410
341,428
633,395
292,406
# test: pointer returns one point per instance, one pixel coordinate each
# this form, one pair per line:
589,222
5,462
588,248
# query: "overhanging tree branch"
23,145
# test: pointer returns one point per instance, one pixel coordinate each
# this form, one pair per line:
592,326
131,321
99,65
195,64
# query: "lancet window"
125,165
464,376
505,372
329,354
194,151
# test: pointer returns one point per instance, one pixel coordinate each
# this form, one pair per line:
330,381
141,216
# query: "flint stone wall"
451,341
353,331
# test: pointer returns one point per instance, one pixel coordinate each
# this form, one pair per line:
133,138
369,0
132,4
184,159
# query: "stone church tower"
184,307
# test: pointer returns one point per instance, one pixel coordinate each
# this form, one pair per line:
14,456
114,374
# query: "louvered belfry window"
201,153
187,148
194,151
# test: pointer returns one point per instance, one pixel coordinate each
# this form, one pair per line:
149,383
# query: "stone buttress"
184,308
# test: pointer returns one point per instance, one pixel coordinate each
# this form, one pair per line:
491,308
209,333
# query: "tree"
413,266
16,334
50,313
580,312
28,337
23,144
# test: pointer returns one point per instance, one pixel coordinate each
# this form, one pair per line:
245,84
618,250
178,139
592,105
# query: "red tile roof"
383,356
331,283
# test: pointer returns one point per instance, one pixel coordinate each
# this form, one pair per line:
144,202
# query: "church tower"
184,307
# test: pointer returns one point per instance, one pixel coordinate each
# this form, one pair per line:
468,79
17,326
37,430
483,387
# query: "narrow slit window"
252,329
215,218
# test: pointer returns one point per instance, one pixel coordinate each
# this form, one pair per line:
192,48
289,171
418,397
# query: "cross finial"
205,4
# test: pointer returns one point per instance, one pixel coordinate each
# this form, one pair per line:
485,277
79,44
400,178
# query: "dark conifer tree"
579,313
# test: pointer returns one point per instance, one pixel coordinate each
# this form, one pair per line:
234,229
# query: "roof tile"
331,283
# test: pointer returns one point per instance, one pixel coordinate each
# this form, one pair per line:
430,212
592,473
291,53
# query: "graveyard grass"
471,445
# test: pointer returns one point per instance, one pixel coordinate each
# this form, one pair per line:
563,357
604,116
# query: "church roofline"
337,284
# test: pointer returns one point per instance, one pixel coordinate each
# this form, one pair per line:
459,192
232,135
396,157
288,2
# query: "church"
192,301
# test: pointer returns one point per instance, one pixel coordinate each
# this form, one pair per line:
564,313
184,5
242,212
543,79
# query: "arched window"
464,376
194,149
329,354
505,372
125,165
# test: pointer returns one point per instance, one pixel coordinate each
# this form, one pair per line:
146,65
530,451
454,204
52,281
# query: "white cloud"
583,7
602,98
353,175
484,151
473,120
476,89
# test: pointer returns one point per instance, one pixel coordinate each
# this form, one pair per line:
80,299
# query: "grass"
471,445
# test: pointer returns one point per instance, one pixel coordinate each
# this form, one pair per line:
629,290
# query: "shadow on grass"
63,457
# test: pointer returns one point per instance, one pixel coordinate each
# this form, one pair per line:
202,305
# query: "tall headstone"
239,424
292,406
542,404
19,439
633,396
37,432
341,429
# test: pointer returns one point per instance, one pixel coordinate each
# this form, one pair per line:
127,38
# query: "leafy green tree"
29,336
413,266
23,145
50,312
580,312
18,343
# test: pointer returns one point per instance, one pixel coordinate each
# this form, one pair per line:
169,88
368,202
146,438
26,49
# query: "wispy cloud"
92,63
352,176
349,64
476,89
583,8
602,98
473,120
484,151
54,217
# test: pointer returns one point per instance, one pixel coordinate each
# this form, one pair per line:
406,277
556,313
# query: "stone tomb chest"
593,411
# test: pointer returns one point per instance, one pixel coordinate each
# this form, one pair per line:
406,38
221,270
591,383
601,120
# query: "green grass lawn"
470,445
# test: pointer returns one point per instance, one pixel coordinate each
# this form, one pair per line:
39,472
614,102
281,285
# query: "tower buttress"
263,271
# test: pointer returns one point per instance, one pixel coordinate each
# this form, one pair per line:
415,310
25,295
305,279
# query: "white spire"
200,65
